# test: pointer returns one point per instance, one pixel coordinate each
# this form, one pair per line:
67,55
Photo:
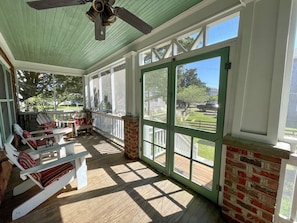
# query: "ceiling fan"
102,13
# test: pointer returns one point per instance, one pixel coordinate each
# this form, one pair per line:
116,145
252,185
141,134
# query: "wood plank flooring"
119,190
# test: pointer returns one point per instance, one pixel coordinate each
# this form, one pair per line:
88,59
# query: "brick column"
251,183
131,136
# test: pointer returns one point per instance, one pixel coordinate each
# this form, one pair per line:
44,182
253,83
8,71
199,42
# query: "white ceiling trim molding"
37,67
6,50
245,2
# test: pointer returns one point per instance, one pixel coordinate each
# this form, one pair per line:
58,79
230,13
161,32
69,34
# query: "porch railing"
109,125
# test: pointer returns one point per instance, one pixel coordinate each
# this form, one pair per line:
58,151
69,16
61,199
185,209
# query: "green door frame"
171,128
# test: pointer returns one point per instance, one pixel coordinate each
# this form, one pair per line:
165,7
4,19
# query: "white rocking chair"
50,177
39,142
48,124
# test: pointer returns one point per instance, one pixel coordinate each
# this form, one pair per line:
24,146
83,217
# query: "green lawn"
201,116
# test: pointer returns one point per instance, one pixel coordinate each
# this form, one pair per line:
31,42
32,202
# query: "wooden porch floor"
119,190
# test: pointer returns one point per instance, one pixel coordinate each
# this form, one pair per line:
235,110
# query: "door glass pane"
160,137
203,160
148,150
148,133
182,154
160,155
182,165
155,95
197,88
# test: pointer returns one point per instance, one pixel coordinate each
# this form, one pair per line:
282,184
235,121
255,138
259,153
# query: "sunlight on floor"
108,207
106,150
165,197
133,171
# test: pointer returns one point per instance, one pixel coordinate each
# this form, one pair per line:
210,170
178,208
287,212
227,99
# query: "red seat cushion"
45,177
53,174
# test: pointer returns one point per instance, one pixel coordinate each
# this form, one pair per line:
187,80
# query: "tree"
187,82
45,89
192,94
32,84
155,84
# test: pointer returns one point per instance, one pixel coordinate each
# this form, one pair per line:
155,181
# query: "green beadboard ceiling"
65,37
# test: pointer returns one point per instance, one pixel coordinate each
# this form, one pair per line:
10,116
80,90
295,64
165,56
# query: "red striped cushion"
51,175
27,162
32,142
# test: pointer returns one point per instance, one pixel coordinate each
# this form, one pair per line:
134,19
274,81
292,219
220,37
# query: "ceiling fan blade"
132,19
47,4
111,2
99,28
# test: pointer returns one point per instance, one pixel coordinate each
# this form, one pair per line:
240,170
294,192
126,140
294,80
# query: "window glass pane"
106,100
197,86
155,95
5,114
95,93
12,112
148,150
291,122
145,57
160,137
148,133
222,30
182,145
9,85
288,191
46,91
160,155
2,81
119,90
190,41
87,96
182,165
203,156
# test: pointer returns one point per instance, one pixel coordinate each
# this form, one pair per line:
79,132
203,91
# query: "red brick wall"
131,134
251,183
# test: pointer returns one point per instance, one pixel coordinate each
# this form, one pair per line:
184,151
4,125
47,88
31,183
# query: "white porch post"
131,120
132,82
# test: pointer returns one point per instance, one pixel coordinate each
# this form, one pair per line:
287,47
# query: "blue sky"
209,70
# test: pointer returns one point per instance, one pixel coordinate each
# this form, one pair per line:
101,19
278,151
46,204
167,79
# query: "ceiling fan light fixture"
108,16
98,5
92,14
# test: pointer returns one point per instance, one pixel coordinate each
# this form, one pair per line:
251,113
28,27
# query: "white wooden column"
265,27
132,82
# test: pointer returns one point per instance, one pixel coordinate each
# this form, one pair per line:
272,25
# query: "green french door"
183,104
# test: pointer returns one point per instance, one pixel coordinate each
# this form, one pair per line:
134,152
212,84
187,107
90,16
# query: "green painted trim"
7,101
215,137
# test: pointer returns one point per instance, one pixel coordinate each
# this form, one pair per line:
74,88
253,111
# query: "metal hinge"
228,65
219,187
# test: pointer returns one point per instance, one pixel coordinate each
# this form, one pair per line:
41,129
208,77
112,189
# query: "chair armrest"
44,136
49,165
40,131
55,147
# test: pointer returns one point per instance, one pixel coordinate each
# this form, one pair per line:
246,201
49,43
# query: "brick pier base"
131,136
251,183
